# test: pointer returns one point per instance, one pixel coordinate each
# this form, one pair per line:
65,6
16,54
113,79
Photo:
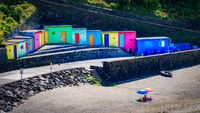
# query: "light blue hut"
21,47
79,36
93,38
30,42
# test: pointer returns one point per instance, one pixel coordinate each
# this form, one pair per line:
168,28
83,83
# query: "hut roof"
94,30
57,26
16,40
151,38
23,37
7,43
116,31
31,31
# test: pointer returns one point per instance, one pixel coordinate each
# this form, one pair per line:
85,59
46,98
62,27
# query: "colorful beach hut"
152,45
93,38
110,39
79,36
22,47
36,34
30,41
127,40
59,34
42,37
11,49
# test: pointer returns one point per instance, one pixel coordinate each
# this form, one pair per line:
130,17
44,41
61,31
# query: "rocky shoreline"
15,93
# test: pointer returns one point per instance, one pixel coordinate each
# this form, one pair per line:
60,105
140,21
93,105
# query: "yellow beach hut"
110,39
11,48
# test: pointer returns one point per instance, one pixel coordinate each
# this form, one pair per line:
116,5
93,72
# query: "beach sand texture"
180,94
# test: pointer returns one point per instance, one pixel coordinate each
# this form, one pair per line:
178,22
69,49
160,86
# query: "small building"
110,39
11,49
36,34
59,34
79,36
30,42
22,47
127,40
152,45
93,38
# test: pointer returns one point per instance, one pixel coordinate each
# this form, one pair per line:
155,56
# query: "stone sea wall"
61,58
116,71
3,55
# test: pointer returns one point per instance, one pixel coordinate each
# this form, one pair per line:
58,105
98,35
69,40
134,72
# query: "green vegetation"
93,80
166,9
12,14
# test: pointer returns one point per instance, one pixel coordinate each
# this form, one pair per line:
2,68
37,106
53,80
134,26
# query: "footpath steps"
58,49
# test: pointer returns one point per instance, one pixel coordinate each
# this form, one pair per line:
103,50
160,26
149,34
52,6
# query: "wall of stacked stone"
61,58
3,55
116,71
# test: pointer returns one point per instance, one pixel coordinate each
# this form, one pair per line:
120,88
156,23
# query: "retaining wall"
3,55
61,58
116,71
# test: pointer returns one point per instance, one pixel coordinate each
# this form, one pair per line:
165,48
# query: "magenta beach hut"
127,40
36,35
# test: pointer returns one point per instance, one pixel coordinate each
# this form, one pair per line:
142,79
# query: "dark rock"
13,94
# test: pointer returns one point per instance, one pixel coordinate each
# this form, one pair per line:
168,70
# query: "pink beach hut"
127,40
36,35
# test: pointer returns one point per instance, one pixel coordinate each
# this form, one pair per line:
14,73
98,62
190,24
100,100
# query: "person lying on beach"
145,99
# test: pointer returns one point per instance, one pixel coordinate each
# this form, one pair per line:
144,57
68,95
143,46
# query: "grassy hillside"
12,14
167,9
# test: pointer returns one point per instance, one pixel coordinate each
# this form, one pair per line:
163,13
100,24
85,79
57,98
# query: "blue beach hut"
93,38
152,45
79,36
30,42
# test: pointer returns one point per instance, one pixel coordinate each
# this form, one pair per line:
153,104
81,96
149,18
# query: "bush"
13,14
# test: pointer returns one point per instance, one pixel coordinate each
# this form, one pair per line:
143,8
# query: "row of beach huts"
29,41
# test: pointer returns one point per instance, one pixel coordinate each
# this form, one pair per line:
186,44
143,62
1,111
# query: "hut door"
63,36
31,45
106,40
77,38
27,47
46,37
121,40
15,52
91,40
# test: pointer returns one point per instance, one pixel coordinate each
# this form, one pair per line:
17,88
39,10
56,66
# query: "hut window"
162,43
130,40
53,33
9,50
22,47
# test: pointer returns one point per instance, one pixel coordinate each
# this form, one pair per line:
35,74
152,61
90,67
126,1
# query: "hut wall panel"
82,36
152,46
55,34
21,49
10,51
37,41
97,38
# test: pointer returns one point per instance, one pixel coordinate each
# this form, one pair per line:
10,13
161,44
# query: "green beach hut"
59,34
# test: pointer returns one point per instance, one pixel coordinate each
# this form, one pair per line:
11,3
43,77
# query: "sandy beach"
180,94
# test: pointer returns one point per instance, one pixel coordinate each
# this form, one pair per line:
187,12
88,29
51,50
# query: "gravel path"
179,94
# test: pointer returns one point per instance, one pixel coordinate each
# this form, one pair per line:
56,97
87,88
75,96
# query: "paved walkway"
29,72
